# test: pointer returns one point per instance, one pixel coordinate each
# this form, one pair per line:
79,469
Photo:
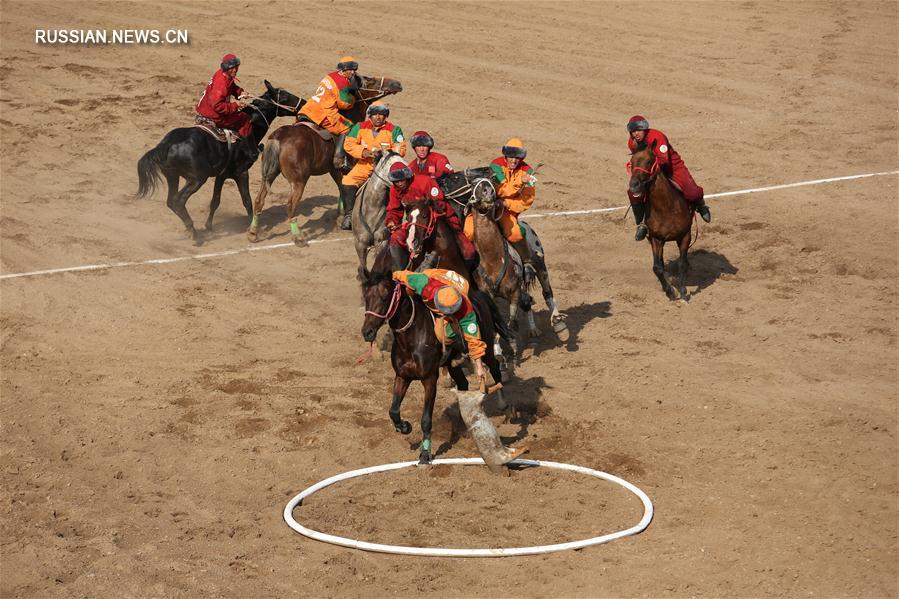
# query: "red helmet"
637,123
422,138
230,61
399,172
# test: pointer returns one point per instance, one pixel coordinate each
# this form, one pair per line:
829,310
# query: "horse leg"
271,168
658,267
556,318
400,386
430,385
683,264
296,195
512,324
216,200
243,186
178,205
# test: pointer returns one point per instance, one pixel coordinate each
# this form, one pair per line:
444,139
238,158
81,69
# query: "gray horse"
371,208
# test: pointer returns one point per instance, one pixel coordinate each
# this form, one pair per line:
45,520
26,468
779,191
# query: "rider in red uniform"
407,189
670,164
426,161
216,106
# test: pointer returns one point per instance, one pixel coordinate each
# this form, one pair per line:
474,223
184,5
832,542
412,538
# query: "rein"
395,301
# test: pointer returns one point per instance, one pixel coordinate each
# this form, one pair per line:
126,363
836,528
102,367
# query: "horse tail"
271,162
149,170
482,300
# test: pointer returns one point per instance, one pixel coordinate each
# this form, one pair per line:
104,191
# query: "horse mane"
380,271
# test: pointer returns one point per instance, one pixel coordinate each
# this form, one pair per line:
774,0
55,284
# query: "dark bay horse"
299,152
668,216
417,354
465,191
193,154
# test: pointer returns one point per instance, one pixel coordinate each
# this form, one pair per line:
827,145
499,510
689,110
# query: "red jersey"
214,101
665,154
419,189
434,165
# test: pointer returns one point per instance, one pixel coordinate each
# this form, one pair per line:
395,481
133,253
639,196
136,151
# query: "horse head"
643,168
483,196
377,293
277,102
421,224
372,88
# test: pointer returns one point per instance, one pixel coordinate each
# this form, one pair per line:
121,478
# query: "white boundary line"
276,246
458,552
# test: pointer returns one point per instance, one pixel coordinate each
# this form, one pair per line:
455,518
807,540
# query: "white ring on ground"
449,552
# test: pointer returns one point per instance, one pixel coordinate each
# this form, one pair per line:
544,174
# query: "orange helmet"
447,300
514,148
347,63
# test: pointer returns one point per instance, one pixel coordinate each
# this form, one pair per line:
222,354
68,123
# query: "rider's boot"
400,257
521,246
340,153
703,210
460,349
348,198
639,213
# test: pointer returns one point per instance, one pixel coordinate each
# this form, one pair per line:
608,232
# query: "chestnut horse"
417,354
300,152
668,216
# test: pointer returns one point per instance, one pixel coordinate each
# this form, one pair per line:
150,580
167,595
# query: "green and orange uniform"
364,136
334,93
427,284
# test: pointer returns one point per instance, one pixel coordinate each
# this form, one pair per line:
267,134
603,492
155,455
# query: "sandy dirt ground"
156,419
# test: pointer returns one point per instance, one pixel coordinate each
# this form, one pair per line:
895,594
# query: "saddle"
322,132
227,136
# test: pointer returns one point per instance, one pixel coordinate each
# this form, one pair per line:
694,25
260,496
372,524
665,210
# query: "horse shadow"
707,267
576,317
313,228
524,395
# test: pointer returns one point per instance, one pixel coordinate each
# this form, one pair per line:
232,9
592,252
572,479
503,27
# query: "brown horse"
299,152
668,216
417,354
500,272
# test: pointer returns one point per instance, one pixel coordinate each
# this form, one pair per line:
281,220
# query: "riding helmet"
422,138
399,172
378,108
637,123
447,300
230,61
347,63
514,148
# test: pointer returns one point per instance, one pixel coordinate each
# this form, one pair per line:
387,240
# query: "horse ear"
268,86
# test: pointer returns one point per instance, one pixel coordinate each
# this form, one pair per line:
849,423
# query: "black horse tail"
482,300
149,170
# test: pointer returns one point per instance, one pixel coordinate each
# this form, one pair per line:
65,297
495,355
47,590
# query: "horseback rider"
426,161
215,105
514,182
445,293
408,188
337,91
365,142
670,164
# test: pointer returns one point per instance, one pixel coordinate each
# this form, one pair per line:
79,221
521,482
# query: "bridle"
276,102
395,301
380,88
469,190
652,172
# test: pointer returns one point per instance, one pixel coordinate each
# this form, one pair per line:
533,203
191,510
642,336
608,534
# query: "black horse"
417,354
194,154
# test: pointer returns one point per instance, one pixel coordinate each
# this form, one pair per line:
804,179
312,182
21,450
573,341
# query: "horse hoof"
559,324
300,242
424,457
252,236
403,427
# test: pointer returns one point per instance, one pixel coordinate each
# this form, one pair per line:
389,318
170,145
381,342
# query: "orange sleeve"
476,347
521,201
353,143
